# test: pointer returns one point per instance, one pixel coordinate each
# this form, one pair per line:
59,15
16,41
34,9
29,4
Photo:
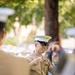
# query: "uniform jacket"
12,65
39,69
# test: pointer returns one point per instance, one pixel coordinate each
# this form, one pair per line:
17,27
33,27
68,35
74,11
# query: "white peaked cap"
4,13
42,38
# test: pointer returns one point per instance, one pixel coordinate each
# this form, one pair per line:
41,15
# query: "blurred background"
39,17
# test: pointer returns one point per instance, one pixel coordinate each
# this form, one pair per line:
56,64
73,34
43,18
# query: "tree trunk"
51,18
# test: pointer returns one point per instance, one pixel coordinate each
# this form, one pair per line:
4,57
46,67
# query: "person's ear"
45,47
35,44
4,33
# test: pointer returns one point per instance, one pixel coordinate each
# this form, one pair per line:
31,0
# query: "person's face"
55,57
53,46
40,48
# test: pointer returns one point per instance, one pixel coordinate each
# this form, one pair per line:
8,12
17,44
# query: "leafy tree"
51,18
24,10
61,11
66,14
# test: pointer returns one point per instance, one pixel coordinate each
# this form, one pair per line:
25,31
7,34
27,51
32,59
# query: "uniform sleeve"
46,64
22,66
50,67
29,58
12,65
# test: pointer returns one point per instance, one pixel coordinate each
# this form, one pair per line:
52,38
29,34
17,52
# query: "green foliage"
66,14
10,41
24,10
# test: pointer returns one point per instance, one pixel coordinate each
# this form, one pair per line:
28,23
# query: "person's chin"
42,51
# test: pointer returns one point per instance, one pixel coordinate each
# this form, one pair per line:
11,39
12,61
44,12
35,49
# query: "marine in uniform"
40,65
9,64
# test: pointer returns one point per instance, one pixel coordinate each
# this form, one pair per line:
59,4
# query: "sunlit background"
28,21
